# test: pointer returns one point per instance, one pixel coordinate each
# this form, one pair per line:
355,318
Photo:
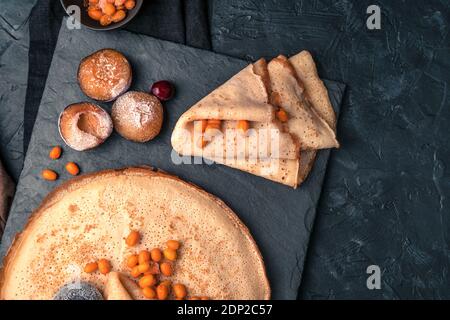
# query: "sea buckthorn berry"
133,238
156,255
243,126
132,261
72,168
55,153
170,254
282,115
147,281
129,4
91,267
105,20
95,14
173,244
162,291
144,256
179,290
118,16
49,175
149,292
135,272
166,269
144,267
104,266
109,9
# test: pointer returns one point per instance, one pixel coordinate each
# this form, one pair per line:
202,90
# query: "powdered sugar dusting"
105,74
134,110
73,134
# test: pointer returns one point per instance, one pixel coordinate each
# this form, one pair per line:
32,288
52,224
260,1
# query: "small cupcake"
137,116
104,75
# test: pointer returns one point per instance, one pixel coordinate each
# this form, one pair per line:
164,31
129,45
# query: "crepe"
281,152
115,289
87,219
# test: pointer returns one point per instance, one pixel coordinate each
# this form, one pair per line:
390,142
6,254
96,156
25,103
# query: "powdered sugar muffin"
137,116
104,75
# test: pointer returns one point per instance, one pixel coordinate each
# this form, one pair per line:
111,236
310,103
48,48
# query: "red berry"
163,90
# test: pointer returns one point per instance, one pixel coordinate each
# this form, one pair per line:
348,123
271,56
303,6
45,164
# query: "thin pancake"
312,131
87,219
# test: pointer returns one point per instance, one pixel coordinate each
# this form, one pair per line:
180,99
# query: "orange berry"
149,292
243,126
49,175
109,9
133,238
156,255
173,244
105,20
166,269
282,115
179,290
135,272
55,153
162,291
144,256
104,266
91,267
170,254
147,281
72,168
144,267
118,16
95,14
132,261
129,4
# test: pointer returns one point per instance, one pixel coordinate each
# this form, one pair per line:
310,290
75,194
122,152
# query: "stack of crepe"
282,151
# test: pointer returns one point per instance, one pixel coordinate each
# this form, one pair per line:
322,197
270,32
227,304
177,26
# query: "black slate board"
279,218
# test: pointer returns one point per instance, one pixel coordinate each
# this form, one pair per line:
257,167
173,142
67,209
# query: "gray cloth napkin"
6,195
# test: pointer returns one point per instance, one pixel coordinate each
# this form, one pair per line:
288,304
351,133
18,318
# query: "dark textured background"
386,197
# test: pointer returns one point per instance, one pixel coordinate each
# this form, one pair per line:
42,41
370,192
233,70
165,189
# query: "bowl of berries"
103,14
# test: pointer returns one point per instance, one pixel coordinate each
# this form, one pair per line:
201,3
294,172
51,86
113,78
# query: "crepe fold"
282,151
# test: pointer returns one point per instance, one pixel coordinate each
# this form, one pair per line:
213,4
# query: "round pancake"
88,218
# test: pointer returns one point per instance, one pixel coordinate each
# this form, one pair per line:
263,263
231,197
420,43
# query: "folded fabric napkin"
6,195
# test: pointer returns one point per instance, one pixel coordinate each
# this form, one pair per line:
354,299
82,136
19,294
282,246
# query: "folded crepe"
276,149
